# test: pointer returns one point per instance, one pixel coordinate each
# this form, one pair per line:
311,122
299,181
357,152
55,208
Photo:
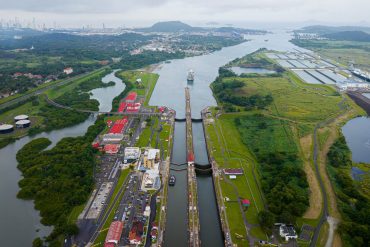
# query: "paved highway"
41,90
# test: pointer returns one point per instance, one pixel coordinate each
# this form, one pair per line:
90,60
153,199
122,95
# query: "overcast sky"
76,13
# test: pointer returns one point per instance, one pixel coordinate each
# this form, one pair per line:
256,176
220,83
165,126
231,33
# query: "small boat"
190,76
172,180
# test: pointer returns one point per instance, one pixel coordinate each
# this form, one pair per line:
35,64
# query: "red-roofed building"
17,74
109,123
118,126
95,145
114,232
122,107
109,245
131,97
133,107
246,202
136,232
111,148
162,109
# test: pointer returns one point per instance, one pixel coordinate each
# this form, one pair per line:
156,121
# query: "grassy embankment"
297,107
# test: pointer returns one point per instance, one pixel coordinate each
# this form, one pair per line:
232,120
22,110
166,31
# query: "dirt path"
333,224
315,207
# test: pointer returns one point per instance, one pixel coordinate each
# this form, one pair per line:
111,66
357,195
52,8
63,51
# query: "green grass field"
247,187
148,82
295,110
294,100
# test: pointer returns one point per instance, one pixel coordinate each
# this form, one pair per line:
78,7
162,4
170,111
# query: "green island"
273,119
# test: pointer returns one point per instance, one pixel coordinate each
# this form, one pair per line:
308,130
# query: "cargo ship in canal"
190,77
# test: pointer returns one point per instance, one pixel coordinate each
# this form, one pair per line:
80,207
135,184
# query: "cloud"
137,12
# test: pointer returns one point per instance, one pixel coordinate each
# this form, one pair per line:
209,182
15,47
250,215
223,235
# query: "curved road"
41,90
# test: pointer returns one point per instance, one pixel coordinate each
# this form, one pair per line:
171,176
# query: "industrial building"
131,154
119,126
133,107
112,138
149,164
131,97
6,128
111,148
151,157
114,233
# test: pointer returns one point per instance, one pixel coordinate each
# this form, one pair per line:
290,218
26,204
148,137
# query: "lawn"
310,103
236,155
148,82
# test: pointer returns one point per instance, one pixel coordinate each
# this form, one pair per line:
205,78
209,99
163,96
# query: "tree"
37,242
266,220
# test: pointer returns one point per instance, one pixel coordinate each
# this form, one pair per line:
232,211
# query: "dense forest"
58,179
283,180
353,204
226,93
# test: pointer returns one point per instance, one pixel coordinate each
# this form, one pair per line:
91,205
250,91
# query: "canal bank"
169,92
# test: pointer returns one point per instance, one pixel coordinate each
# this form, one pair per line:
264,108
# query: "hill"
349,36
168,26
178,26
331,29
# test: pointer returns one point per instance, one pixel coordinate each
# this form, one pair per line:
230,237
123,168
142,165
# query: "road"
129,114
41,90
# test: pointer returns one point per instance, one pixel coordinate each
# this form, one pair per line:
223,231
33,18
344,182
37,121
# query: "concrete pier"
193,211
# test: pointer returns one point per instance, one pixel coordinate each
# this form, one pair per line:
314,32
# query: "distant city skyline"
118,13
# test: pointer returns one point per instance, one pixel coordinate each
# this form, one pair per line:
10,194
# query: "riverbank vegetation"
269,149
58,179
353,202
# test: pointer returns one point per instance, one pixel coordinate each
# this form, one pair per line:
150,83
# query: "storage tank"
23,123
6,128
20,117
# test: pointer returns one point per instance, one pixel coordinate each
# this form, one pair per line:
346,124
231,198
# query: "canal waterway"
170,92
19,221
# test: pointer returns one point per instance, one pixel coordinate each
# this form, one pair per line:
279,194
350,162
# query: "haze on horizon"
118,13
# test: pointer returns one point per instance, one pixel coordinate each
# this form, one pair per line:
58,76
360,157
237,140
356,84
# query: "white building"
287,232
68,70
132,153
107,138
